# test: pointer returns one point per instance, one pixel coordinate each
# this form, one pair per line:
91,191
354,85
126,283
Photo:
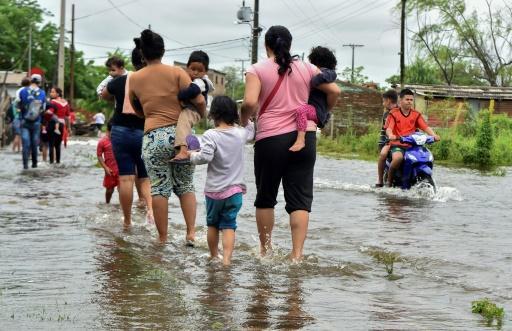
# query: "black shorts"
273,162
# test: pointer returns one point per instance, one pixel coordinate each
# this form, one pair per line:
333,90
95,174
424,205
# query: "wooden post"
332,126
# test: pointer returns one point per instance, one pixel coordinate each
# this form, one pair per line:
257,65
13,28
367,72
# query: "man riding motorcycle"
403,121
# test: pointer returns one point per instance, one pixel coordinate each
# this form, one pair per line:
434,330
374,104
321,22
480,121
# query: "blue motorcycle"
417,164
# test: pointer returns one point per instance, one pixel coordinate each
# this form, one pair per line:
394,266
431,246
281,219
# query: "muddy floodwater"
66,263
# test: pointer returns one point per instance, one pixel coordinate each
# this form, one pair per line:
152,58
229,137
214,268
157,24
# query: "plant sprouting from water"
489,310
388,259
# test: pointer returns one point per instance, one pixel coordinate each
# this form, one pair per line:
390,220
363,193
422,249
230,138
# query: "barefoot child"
316,110
223,150
197,67
108,162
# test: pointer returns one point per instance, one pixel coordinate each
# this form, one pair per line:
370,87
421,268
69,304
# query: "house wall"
356,109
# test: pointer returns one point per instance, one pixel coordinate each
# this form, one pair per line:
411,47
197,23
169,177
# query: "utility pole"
243,66
353,46
255,31
29,69
72,59
60,67
402,45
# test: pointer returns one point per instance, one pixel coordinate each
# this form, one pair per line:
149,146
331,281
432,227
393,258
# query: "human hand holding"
108,171
437,138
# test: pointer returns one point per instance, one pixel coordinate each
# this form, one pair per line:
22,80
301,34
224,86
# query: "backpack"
35,106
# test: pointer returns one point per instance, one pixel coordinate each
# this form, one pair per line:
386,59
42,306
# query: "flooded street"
66,263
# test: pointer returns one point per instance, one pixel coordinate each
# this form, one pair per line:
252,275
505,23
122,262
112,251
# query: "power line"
347,17
126,16
208,44
102,46
105,10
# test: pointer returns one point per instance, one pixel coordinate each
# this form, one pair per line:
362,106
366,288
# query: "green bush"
484,141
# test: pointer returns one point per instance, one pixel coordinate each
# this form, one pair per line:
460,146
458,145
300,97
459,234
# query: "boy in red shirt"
108,162
402,122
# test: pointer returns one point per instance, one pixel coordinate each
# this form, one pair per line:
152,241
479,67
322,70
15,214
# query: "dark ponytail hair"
279,40
137,60
58,90
151,44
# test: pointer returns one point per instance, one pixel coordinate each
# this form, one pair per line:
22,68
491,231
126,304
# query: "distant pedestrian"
33,103
108,163
223,150
99,121
16,116
60,125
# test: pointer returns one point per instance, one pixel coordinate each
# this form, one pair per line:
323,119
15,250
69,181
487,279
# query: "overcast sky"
101,28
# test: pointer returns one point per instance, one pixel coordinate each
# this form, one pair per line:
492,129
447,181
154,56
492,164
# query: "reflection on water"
66,262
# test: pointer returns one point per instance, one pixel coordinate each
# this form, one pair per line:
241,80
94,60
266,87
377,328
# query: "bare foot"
150,219
297,146
182,155
226,261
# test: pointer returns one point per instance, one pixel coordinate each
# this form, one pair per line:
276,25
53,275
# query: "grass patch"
489,311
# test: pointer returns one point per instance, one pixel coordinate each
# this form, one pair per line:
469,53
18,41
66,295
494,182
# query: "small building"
356,109
437,101
11,81
218,79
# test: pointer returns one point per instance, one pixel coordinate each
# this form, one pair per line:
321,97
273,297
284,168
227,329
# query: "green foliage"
96,105
359,77
484,141
469,47
489,311
16,18
235,87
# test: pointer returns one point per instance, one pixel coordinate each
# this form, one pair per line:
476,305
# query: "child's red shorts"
109,182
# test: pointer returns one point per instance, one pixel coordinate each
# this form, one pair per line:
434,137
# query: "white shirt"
223,150
99,118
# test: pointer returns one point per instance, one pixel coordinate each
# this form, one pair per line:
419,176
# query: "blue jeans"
30,132
127,147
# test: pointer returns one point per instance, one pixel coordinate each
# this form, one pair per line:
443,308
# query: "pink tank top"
279,118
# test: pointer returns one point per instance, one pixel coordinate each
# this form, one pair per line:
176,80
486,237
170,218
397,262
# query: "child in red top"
108,162
402,122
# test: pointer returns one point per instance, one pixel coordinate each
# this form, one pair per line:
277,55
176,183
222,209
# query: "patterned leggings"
166,178
303,114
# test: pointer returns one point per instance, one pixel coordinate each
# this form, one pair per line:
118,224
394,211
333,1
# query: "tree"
16,17
359,77
425,71
235,86
448,33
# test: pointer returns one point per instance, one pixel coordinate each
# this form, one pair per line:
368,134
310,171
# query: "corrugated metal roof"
464,92
13,78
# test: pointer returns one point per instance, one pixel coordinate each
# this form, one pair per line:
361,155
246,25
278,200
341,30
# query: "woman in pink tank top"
275,88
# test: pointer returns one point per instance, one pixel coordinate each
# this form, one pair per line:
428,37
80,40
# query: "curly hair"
323,57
